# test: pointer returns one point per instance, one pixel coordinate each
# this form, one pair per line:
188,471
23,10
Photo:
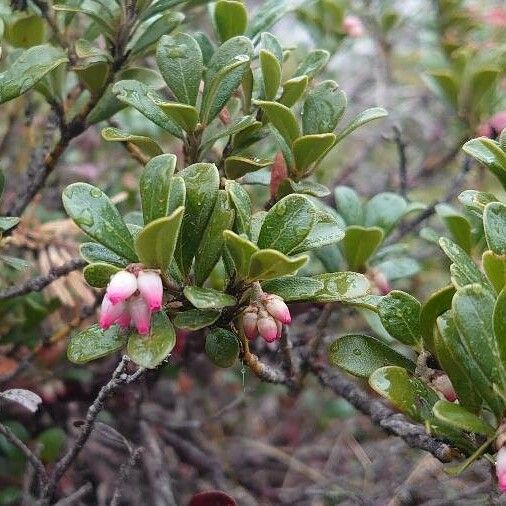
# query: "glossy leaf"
270,263
151,350
180,61
271,73
28,69
234,128
282,119
322,234
495,269
230,18
363,118
457,416
95,252
359,244
26,31
146,144
287,224
95,214
156,243
241,202
310,149
222,347
457,224
294,288
202,182
186,116
408,394
208,298
340,286
400,315
361,355
8,222
238,166
489,153
494,223
313,63
211,244
305,187
384,210
349,205
177,195
196,319
443,81
293,89
99,274
499,324
93,342
240,249
323,108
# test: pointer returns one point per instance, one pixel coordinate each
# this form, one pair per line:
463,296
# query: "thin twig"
124,472
290,360
75,496
38,283
403,161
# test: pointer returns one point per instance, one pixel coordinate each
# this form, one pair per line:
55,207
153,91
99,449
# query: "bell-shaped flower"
141,315
500,468
267,327
123,285
151,289
277,308
110,313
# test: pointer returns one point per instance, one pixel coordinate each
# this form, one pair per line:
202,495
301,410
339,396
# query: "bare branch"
124,472
38,283
75,496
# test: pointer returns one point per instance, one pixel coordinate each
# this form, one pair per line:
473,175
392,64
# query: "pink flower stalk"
267,327
123,284
500,468
151,289
141,315
277,308
353,26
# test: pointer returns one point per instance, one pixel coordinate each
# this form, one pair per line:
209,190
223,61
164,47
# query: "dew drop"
95,192
86,219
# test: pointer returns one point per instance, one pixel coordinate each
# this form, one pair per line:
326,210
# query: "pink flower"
443,384
141,315
276,308
151,289
500,468
267,327
249,322
123,284
110,313
493,126
353,26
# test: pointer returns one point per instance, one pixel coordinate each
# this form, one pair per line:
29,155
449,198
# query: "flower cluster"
265,317
130,298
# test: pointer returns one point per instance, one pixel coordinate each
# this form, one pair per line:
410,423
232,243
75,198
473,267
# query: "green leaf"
155,186
235,127
241,251
95,252
494,223
180,61
282,119
482,81
151,350
26,31
28,69
457,224
489,153
94,74
186,116
156,243
385,210
104,22
323,108
321,235
359,244
459,417
93,342
495,269
238,166
349,205
230,19
444,82
271,73
151,32
313,63
196,319
289,186
211,244
270,263
311,149
224,75
202,181
361,355
499,324
7,222
146,144
98,274
465,271
467,380
206,46
287,224
473,314
177,195
52,442
293,288
96,215
141,97
222,347
340,287
400,315
409,395
293,89
361,119
208,298
476,200
437,304
242,204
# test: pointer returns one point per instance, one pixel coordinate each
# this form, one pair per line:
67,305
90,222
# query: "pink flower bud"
122,285
500,468
277,308
267,328
110,312
443,384
141,315
151,288
249,322
353,26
